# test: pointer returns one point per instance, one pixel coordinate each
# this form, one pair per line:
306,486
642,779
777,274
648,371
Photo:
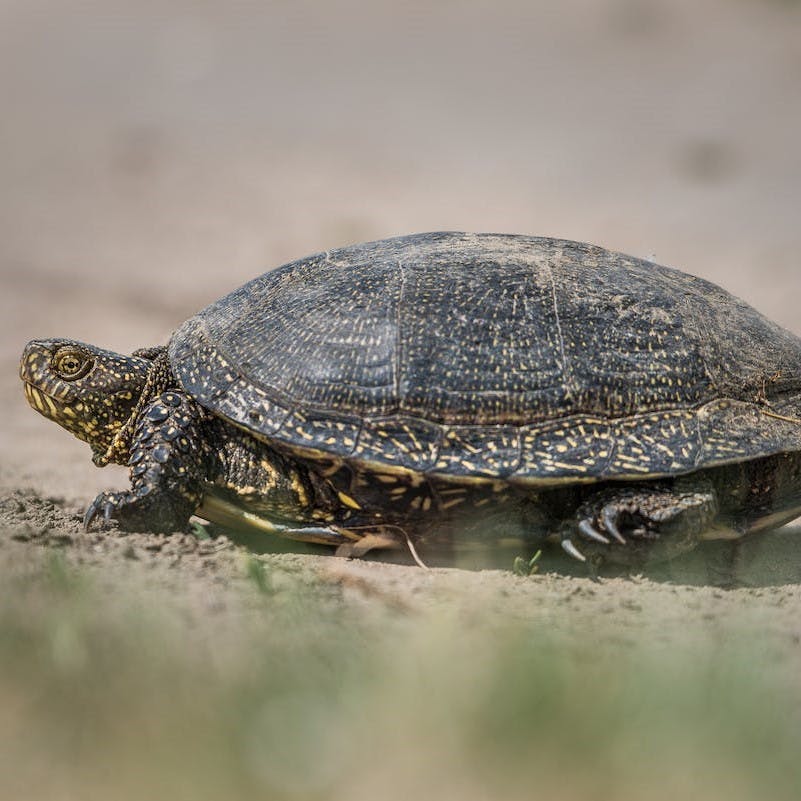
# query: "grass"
302,696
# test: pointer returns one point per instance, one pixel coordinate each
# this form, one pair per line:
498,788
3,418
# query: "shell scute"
575,448
320,431
406,442
490,452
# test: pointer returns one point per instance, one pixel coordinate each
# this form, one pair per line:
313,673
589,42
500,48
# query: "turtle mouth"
42,402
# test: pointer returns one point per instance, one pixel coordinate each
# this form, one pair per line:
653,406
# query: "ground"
177,666
155,156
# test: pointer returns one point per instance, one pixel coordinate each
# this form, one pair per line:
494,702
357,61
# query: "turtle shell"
486,356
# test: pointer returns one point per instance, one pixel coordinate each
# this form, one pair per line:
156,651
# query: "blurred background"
154,155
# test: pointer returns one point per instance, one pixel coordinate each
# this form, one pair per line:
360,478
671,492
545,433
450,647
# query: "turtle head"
89,391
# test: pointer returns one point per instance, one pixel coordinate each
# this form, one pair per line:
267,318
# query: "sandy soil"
154,158
205,575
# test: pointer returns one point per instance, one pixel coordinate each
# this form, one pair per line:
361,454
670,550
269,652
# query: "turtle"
425,390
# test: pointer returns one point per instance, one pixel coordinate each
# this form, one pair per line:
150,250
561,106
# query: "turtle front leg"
635,525
166,467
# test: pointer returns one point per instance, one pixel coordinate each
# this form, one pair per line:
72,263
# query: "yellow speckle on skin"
348,501
267,467
300,490
50,405
452,502
247,490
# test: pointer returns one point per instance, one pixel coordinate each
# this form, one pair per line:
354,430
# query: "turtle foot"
133,512
635,525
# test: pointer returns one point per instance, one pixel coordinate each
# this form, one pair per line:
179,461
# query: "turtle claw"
589,531
570,549
105,504
609,516
91,513
597,526
594,528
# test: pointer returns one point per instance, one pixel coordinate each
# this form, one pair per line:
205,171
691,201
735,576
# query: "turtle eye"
71,364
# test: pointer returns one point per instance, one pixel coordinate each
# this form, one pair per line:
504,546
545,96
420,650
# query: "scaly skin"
168,464
90,392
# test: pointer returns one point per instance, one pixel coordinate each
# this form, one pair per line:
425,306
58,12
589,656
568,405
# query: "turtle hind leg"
633,525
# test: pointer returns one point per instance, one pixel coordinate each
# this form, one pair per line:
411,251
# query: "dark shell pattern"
500,357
